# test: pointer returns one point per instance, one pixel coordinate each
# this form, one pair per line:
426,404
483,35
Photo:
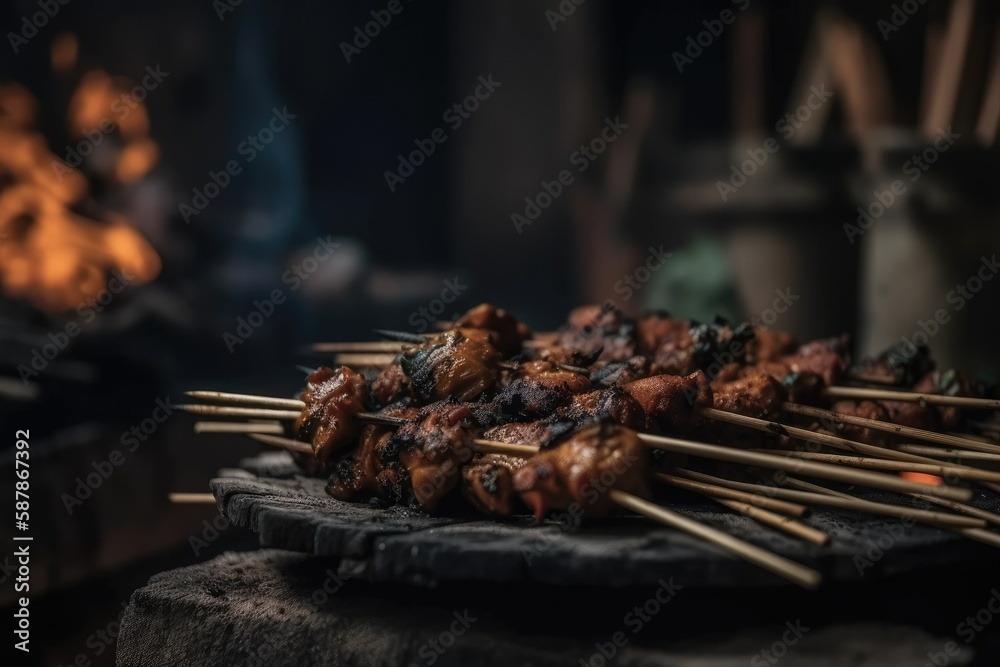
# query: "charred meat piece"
667,340
451,365
756,394
601,330
948,383
579,471
430,451
622,372
828,358
504,327
804,388
865,409
488,483
770,345
729,373
391,385
550,375
902,364
672,402
611,404
363,474
541,389
910,414
558,354
715,345
333,398
932,417
539,433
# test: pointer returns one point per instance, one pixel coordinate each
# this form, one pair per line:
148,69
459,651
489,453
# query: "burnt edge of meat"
710,341
419,367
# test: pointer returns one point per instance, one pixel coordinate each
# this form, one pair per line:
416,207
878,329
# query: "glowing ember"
922,478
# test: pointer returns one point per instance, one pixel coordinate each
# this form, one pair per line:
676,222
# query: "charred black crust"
776,428
419,367
490,479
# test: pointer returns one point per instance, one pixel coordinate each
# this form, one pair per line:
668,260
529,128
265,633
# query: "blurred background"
191,192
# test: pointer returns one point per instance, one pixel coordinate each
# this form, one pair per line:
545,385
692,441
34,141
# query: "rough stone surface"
278,608
289,511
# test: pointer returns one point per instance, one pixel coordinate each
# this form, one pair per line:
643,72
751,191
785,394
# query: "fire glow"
922,478
54,251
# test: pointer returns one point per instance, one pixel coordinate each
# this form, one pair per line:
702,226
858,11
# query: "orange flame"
50,254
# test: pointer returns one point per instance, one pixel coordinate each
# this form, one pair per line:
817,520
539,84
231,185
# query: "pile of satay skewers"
582,420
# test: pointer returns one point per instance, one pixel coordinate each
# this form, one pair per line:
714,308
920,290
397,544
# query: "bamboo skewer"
283,443
946,453
775,520
970,510
794,572
869,463
231,411
755,499
835,441
672,444
913,397
897,429
365,346
272,428
810,468
248,399
772,562
840,502
351,359
750,505
978,534
831,440
497,447
192,498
